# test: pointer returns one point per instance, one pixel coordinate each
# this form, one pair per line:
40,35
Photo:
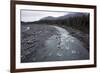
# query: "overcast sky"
29,15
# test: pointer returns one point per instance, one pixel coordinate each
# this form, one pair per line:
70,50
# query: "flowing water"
65,47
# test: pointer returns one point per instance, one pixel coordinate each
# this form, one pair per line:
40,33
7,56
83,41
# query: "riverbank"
33,37
83,37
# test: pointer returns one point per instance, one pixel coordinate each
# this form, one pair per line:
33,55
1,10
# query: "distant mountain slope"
48,18
63,17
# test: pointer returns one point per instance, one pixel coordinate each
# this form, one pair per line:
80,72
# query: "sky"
31,15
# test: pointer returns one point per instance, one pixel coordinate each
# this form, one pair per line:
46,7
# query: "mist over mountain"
70,15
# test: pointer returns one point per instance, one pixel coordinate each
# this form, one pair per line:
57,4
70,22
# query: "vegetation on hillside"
79,22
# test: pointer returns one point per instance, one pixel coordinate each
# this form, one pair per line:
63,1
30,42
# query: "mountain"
48,18
70,15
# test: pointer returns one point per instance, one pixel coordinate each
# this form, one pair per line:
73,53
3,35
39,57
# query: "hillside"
78,21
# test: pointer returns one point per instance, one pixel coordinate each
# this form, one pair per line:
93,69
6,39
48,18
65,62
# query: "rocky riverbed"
41,43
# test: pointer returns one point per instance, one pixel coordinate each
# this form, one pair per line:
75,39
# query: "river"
65,47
